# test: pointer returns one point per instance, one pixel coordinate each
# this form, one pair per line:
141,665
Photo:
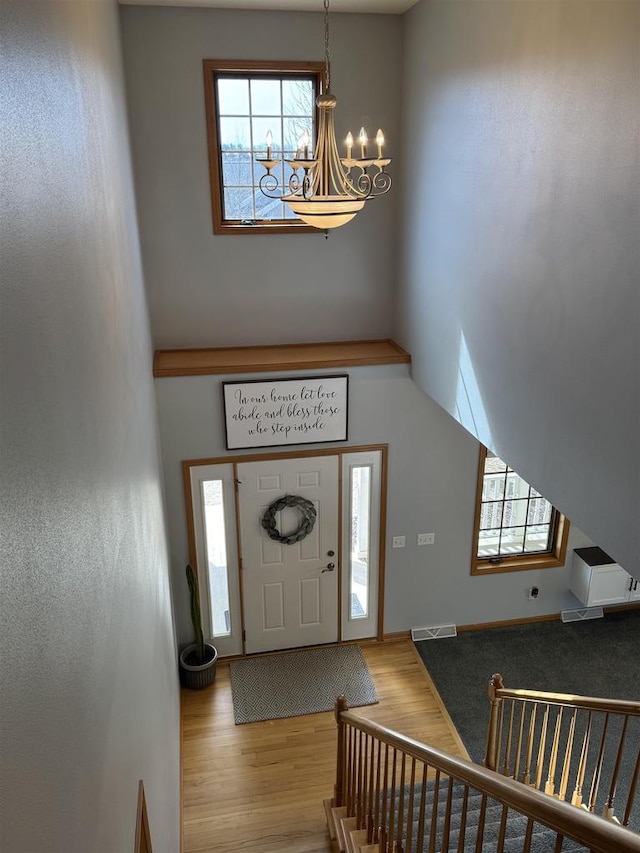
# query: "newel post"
340,706
491,757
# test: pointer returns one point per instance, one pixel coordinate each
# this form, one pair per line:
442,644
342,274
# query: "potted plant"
198,660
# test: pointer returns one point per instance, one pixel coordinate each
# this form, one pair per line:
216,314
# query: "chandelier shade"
327,190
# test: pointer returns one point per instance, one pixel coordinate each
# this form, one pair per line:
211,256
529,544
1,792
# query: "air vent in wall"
582,614
434,632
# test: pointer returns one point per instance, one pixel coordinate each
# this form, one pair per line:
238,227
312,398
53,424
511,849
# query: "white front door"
290,592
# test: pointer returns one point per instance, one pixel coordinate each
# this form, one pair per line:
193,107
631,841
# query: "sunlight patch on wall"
470,411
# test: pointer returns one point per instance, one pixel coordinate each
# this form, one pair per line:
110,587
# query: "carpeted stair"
542,841
345,838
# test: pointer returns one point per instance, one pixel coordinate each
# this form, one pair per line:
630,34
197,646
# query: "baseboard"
396,637
548,617
504,623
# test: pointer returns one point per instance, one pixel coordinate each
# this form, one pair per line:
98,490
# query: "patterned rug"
298,683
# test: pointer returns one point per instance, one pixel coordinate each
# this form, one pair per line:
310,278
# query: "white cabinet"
596,580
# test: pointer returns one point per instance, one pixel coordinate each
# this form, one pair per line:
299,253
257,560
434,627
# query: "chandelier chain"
326,46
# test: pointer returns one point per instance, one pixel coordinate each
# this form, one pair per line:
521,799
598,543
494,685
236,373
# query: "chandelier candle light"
327,190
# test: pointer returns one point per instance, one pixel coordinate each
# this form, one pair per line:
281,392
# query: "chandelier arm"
359,187
268,184
381,182
340,180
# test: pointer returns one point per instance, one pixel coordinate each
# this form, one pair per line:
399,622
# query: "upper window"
516,528
246,102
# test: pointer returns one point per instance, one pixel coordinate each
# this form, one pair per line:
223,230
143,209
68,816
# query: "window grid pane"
514,518
242,131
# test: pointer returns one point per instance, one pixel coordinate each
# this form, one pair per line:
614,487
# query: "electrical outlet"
398,542
534,592
426,538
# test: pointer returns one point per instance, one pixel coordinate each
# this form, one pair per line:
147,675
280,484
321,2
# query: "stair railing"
580,749
414,798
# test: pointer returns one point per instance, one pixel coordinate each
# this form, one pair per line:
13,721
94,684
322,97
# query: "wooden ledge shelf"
206,362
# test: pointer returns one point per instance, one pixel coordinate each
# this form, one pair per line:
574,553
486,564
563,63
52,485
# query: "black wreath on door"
307,519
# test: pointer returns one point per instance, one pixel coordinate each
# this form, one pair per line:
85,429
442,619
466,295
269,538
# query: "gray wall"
519,287
89,695
433,465
233,290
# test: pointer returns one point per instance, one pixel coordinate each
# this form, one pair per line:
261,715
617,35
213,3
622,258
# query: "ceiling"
390,7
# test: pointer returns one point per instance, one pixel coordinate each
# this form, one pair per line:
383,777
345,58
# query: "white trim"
357,629
230,644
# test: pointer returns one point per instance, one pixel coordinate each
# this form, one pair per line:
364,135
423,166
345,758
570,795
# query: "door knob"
330,553
330,567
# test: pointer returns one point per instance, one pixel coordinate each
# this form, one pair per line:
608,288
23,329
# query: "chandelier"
327,190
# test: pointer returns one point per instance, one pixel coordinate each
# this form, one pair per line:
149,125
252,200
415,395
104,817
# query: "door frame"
187,469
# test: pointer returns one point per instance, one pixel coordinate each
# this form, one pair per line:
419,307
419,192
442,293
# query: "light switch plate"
398,542
426,538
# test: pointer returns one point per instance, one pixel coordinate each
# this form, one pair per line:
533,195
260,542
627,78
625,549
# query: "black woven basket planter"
197,676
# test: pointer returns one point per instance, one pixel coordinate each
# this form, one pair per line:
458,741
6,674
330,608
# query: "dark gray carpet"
294,684
594,658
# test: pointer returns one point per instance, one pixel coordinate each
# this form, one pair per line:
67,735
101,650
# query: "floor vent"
581,615
434,632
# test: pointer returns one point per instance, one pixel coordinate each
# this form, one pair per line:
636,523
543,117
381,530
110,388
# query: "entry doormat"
298,683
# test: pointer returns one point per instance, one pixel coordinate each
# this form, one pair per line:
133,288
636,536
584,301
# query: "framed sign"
269,412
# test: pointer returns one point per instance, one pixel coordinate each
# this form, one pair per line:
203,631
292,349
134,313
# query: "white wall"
89,696
433,465
232,290
519,294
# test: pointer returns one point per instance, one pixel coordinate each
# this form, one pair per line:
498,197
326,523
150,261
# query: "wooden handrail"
597,835
588,703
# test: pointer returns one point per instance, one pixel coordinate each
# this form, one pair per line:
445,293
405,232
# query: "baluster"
392,800
551,782
359,781
564,780
532,733
372,767
632,792
528,835
412,794
341,761
507,746
446,829
463,819
576,799
541,747
376,818
516,769
385,794
352,774
559,843
608,810
433,830
481,822
399,847
595,782
491,756
423,808
503,829
500,733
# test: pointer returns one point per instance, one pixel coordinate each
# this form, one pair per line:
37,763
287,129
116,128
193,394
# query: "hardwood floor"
260,787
